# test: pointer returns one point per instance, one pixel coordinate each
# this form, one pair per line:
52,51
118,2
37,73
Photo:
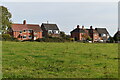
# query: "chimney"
78,26
91,27
82,27
24,22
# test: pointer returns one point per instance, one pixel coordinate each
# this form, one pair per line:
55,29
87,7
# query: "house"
117,36
50,30
103,34
79,34
95,35
26,31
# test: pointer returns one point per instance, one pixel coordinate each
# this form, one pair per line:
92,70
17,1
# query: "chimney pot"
78,26
91,27
24,22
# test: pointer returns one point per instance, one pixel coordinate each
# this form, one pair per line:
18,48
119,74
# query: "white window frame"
56,31
20,32
24,30
30,37
35,33
25,36
104,35
95,34
30,31
50,31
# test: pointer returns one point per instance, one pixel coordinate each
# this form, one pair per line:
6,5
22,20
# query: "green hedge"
52,39
7,37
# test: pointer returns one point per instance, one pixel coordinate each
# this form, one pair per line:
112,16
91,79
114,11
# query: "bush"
52,39
6,37
72,39
0,37
111,40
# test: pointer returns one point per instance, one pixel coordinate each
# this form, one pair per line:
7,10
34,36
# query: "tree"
62,34
88,38
5,16
111,39
117,36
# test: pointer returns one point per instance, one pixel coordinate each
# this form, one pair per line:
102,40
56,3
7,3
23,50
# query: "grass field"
59,60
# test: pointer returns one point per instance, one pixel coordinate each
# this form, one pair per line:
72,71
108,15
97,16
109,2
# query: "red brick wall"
16,35
39,35
75,34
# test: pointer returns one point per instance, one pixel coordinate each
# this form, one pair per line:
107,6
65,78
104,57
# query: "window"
20,32
24,30
24,36
95,34
103,35
30,37
35,33
107,35
30,31
50,31
56,31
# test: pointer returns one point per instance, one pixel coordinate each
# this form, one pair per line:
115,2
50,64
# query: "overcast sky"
67,15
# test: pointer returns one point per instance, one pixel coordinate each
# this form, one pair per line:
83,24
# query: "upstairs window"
49,31
95,34
56,31
20,32
103,35
107,35
24,30
35,33
30,31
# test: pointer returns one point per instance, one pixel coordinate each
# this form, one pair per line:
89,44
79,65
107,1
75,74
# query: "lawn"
59,60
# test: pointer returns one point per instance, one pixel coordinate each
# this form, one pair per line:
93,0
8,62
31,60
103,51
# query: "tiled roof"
117,34
101,30
21,27
50,26
79,30
92,31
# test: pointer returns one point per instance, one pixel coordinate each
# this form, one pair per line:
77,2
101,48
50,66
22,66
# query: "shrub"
6,37
89,39
0,37
72,39
52,39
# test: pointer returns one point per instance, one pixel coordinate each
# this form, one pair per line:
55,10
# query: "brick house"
79,34
82,34
26,31
51,30
103,34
